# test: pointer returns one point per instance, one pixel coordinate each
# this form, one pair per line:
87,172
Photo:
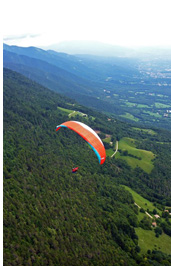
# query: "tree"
145,223
158,231
154,211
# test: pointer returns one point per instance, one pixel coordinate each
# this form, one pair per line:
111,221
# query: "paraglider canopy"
89,135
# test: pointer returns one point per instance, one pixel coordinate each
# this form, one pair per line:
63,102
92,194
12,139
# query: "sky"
117,22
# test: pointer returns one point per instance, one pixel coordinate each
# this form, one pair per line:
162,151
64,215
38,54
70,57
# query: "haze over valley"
133,88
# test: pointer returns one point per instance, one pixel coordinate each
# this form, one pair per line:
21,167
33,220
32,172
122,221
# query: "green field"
142,106
142,202
148,131
109,152
108,139
128,144
72,113
162,105
148,241
129,104
130,116
157,115
65,110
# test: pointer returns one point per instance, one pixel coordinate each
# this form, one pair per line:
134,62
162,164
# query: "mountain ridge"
109,50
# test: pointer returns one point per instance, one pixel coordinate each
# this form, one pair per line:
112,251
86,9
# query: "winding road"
115,150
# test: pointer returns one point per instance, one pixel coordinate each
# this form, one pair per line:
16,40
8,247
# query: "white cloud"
124,22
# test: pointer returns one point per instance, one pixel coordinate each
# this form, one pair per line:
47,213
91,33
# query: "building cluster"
154,224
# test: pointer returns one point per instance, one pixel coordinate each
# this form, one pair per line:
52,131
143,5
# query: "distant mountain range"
97,69
104,49
80,77
92,48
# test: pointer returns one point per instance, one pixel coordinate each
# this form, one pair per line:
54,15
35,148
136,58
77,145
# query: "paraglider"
89,135
74,170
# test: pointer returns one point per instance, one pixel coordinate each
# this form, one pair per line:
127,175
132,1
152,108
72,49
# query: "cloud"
20,37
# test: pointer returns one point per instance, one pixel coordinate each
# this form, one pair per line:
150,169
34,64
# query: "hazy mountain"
69,75
46,74
109,50
65,61
89,67
91,48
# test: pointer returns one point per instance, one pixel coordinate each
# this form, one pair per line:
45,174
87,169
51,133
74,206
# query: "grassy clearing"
140,92
108,140
143,106
72,113
148,131
142,202
75,113
109,152
162,96
141,216
129,116
129,104
148,241
65,110
144,163
153,114
161,105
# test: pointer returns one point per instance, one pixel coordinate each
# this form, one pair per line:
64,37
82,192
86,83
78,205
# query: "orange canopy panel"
89,135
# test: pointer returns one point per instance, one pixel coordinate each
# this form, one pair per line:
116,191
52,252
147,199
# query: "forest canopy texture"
54,217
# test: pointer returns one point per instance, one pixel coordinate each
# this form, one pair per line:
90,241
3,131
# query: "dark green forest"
54,217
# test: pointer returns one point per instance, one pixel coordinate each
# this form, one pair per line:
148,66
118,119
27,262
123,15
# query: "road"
145,212
115,150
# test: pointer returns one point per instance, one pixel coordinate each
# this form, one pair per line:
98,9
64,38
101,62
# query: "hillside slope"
81,66
46,73
52,217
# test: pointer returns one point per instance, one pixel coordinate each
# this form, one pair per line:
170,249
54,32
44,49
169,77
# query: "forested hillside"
54,217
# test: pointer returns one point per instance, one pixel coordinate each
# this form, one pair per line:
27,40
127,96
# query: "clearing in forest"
133,156
146,238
